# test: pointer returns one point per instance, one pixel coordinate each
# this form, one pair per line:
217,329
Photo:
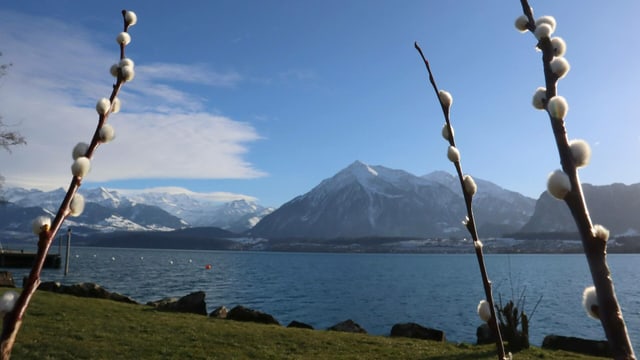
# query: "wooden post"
66,259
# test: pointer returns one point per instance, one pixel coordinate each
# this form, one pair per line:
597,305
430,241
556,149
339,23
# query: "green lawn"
67,327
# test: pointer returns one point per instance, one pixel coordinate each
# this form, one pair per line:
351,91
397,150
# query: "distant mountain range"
361,207
113,210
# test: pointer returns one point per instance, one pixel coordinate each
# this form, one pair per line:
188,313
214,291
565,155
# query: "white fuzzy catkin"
445,132
478,244
580,151
76,207
103,105
559,46
130,18
445,98
547,19
453,154
40,224
539,98
126,62
115,105
543,31
79,150
470,186
590,302
8,301
600,232
106,133
127,73
484,310
113,70
123,38
558,184
560,67
81,166
558,107
522,23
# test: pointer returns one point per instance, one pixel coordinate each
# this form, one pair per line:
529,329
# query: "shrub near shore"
67,327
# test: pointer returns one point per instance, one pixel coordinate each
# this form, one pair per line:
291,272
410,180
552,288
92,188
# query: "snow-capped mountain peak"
363,200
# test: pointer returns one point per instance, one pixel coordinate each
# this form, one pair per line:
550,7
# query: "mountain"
615,206
497,210
200,209
113,210
363,200
236,216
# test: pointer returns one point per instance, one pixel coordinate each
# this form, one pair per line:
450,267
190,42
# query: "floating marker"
207,267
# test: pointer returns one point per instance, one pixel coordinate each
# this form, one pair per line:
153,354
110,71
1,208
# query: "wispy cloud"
163,131
198,74
216,196
298,74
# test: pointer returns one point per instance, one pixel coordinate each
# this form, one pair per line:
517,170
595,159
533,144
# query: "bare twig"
593,238
470,221
13,319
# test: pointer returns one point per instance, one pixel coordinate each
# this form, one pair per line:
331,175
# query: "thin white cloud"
298,74
163,131
216,196
197,74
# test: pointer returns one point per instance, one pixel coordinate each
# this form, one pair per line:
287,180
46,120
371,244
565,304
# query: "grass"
66,327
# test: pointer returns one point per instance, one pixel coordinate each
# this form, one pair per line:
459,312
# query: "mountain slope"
615,206
363,200
497,210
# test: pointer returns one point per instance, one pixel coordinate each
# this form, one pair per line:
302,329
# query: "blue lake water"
375,290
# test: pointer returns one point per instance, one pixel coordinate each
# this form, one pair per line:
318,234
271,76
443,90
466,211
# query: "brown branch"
470,221
13,319
594,247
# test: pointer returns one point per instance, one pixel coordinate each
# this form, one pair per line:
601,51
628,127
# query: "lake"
375,290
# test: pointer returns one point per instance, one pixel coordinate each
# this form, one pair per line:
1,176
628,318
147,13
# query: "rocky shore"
195,303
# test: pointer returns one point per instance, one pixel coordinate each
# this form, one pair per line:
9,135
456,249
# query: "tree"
8,138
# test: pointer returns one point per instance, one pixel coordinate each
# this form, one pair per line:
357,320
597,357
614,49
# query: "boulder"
84,290
220,312
577,345
51,286
348,326
416,331
241,313
193,303
6,279
300,325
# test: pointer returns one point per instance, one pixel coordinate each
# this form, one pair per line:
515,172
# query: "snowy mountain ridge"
226,210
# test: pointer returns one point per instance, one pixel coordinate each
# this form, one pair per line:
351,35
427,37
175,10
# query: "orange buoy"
207,267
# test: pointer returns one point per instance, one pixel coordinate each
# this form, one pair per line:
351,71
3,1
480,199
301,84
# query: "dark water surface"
375,290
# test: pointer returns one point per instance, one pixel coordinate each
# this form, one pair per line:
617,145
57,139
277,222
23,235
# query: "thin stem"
13,320
470,222
594,248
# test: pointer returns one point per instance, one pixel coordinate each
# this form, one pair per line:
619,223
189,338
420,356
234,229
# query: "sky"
265,99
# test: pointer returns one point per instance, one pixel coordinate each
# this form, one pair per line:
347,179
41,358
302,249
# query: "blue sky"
264,99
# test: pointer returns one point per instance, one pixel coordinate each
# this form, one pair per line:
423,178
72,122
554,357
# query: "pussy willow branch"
470,223
13,319
595,249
